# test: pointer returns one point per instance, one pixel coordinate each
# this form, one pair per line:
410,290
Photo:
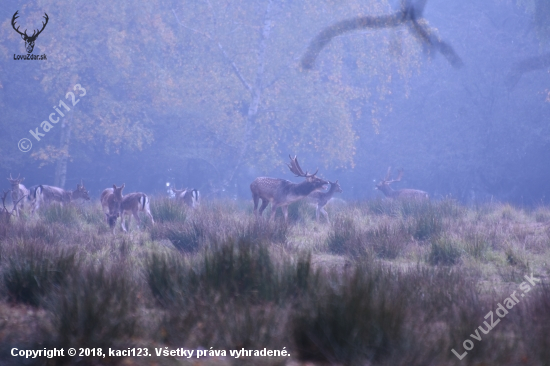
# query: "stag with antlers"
407,194
281,192
29,40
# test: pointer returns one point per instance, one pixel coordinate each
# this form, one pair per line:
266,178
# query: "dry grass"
386,283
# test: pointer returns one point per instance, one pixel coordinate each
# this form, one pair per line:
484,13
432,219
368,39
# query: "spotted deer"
188,196
18,192
133,203
110,202
405,194
281,192
44,194
321,199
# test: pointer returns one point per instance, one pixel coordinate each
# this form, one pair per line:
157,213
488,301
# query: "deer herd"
279,192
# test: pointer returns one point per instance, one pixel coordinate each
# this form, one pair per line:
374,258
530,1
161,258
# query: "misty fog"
212,94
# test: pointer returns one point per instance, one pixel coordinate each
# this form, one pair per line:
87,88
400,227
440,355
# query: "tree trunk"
61,165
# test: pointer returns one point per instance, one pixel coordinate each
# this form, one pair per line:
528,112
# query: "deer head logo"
29,40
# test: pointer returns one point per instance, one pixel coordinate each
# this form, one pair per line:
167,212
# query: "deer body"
188,196
321,199
404,194
18,192
51,194
281,192
110,202
133,203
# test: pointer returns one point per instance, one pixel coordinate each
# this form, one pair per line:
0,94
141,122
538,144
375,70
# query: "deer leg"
285,212
265,202
122,222
256,200
137,218
150,216
317,213
325,213
273,211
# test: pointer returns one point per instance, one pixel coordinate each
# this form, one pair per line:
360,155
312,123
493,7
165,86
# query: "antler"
399,176
34,34
43,26
15,16
296,169
4,200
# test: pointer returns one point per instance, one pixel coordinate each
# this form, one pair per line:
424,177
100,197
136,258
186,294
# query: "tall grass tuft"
68,214
165,210
444,251
353,320
29,270
345,237
96,306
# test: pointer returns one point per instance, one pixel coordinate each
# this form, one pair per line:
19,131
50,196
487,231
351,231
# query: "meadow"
385,283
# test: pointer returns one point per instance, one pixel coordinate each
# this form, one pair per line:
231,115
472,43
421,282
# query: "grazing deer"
189,196
18,192
281,192
110,202
131,204
321,198
407,194
6,215
51,194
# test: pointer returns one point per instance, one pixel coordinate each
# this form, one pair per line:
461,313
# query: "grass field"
385,283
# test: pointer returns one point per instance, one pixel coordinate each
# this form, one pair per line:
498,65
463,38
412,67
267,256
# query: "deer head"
81,192
29,40
15,181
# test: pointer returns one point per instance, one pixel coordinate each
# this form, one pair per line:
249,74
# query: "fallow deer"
131,204
50,194
188,196
18,191
110,202
5,214
281,192
406,194
321,199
